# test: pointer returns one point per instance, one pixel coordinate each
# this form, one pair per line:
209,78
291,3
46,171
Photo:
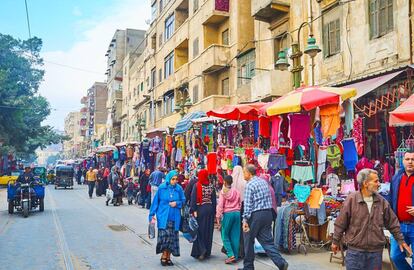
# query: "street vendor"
363,216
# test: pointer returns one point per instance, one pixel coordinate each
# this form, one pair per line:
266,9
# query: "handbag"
185,216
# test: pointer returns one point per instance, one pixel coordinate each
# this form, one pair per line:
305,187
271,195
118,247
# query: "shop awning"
206,119
185,123
367,86
404,114
307,98
105,148
238,112
155,132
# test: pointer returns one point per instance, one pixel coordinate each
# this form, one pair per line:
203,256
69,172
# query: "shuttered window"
381,17
195,48
195,94
332,38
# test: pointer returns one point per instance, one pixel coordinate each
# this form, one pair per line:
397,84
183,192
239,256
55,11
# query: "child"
130,190
228,217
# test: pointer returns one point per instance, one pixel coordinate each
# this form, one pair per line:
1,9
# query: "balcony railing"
269,10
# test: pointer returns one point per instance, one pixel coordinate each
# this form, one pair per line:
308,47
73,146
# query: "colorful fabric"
274,138
302,173
168,240
202,181
358,136
330,120
299,127
334,155
264,127
301,192
350,154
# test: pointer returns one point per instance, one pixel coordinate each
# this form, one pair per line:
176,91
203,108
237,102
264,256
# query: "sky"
76,35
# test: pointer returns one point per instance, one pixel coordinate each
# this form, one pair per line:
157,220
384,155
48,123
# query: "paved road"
75,232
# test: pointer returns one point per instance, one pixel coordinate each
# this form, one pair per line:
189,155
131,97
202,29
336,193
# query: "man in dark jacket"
402,202
363,217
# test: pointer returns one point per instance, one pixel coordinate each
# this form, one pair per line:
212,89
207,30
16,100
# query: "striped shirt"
256,197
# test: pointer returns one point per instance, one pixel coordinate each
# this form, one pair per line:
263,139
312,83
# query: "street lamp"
183,105
311,49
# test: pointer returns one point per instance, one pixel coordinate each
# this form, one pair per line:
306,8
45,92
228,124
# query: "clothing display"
350,154
333,181
333,155
301,192
263,160
212,163
264,127
274,138
330,120
277,162
347,186
315,198
357,134
299,127
302,173
321,163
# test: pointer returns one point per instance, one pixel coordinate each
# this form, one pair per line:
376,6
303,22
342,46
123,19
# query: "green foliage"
22,109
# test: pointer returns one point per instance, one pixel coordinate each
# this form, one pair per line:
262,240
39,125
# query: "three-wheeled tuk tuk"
64,177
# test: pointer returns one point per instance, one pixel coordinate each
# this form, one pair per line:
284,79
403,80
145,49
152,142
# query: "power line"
27,17
72,67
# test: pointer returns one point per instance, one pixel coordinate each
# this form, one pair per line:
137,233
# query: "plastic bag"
109,194
151,230
82,179
185,219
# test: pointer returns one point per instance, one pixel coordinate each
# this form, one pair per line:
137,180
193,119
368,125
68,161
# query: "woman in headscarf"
203,206
166,210
240,185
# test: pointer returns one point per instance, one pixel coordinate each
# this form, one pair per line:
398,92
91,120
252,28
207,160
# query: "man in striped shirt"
257,220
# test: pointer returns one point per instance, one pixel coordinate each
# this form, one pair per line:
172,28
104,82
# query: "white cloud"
63,86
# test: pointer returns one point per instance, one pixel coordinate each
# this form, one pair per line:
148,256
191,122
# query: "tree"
22,109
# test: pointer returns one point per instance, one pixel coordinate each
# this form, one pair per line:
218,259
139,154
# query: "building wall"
359,55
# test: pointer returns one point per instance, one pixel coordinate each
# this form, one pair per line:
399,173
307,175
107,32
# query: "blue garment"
256,130
160,206
256,197
356,259
115,154
318,134
301,192
396,255
321,214
156,178
350,154
395,186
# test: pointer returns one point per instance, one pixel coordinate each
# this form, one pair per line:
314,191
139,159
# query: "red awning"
238,112
404,114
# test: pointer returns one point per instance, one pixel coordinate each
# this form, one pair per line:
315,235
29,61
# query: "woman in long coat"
203,206
166,210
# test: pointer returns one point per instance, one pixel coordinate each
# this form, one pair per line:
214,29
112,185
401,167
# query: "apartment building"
72,128
196,51
122,43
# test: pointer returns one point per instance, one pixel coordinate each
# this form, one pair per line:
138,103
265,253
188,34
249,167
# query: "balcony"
181,34
269,10
210,103
181,75
273,83
215,11
214,57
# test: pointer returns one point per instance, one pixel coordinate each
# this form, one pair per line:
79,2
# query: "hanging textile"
299,127
330,120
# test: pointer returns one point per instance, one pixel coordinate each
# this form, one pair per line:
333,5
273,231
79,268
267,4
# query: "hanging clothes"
330,120
334,155
357,134
212,163
321,163
264,127
274,138
301,192
333,182
299,127
350,154
349,115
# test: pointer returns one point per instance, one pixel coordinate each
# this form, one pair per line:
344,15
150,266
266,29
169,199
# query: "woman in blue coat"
166,210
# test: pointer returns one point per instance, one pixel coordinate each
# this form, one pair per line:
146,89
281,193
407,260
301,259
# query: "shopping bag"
185,219
82,179
109,194
151,230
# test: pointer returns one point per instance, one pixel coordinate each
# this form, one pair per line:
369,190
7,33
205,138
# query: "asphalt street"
75,232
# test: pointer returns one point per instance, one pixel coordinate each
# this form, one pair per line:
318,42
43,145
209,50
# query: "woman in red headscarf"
203,206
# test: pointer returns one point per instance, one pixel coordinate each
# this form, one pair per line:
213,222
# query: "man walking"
155,181
257,220
91,179
402,202
363,217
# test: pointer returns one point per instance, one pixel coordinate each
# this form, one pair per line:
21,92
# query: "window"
169,65
381,18
225,37
142,86
169,26
154,42
246,67
160,75
195,47
195,5
153,78
331,38
169,103
280,44
153,11
195,94
225,87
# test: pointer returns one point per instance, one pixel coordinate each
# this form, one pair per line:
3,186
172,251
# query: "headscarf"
238,180
202,181
168,178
